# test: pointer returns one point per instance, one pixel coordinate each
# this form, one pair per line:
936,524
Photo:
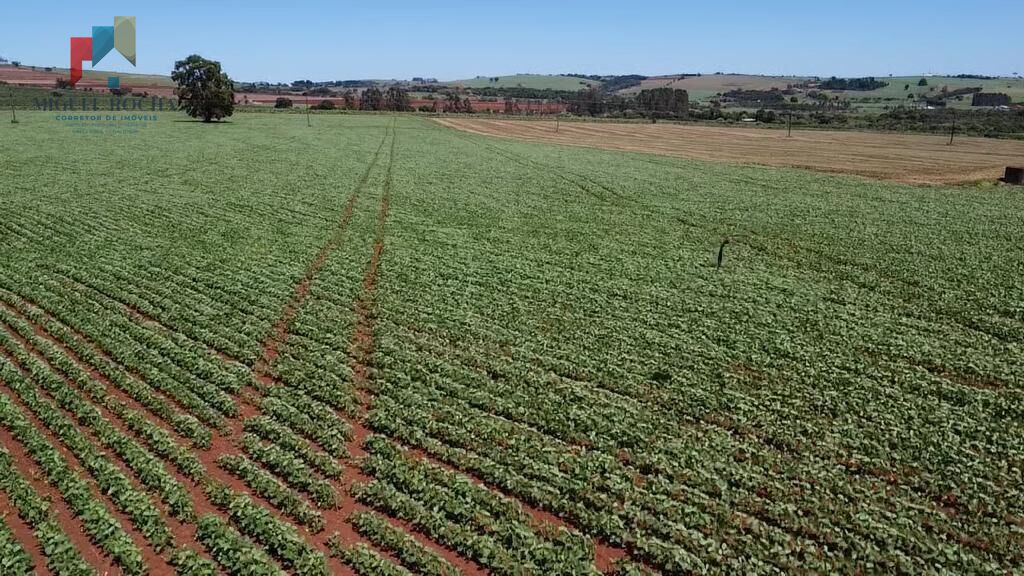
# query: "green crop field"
380,346
532,81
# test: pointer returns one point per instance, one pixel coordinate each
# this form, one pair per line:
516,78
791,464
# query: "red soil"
25,76
605,555
335,520
520,107
201,503
463,565
221,443
226,442
147,553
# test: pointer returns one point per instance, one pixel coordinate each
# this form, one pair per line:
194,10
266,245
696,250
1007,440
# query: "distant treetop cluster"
856,84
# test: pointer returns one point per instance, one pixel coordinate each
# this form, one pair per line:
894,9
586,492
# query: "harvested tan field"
921,159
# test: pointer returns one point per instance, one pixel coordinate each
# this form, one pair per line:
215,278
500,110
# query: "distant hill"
701,87
705,86
898,86
533,81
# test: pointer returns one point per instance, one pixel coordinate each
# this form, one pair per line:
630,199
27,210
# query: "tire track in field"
203,506
361,351
279,332
227,443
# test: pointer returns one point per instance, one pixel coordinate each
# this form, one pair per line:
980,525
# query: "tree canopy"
204,90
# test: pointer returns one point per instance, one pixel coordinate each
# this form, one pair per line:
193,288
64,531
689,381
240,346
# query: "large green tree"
204,90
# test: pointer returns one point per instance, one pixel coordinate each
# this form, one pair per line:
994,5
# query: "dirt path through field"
919,159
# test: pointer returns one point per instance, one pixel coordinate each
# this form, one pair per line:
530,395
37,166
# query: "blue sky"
453,39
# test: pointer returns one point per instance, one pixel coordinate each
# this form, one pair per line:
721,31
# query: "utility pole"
789,126
952,130
14,118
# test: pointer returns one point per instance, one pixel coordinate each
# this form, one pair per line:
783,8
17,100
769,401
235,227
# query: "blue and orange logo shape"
120,37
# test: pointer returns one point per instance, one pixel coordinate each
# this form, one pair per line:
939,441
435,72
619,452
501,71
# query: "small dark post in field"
1014,175
721,253
952,131
789,126
556,124
14,117
308,123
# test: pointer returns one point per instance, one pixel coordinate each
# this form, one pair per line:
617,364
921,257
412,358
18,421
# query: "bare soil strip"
909,158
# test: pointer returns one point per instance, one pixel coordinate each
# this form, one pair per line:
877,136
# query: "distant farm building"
990,99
